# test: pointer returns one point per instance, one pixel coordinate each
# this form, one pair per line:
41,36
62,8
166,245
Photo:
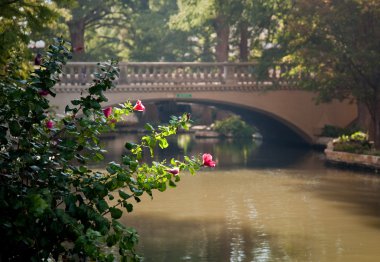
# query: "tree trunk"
222,35
77,30
243,44
364,120
376,120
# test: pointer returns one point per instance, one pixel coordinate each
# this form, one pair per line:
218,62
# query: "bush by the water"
234,126
357,143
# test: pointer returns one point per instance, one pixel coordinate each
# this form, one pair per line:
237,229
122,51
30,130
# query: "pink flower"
49,124
139,106
43,92
174,171
107,111
207,160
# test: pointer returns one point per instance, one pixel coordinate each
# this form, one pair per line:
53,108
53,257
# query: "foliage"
334,46
233,126
240,28
334,131
355,143
21,20
149,37
52,204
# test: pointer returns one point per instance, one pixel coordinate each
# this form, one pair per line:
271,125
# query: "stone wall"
369,161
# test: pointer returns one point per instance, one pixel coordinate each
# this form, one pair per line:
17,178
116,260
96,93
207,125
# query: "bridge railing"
174,73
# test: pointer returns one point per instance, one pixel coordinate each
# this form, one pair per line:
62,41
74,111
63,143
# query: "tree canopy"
335,46
20,21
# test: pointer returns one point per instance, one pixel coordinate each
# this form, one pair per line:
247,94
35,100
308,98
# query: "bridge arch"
272,127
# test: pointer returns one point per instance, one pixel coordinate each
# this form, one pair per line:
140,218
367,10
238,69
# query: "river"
261,203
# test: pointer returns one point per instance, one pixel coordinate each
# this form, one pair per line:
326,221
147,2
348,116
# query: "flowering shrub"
355,143
52,204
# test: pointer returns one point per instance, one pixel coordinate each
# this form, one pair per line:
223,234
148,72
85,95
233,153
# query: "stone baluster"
229,74
211,73
161,73
139,74
169,75
176,74
64,76
154,73
191,74
89,74
72,75
123,78
83,70
147,73
132,74
198,73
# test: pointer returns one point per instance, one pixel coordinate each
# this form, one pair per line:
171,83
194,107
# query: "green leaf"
133,165
37,204
148,127
115,212
112,240
129,207
76,102
162,187
122,177
163,143
123,195
99,156
14,128
172,184
129,145
102,205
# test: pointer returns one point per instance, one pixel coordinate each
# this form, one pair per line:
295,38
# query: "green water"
261,203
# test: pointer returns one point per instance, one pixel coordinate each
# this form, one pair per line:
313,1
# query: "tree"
200,13
22,19
98,15
238,24
334,46
149,38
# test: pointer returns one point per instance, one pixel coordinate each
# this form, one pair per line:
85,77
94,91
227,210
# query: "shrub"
355,143
52,204
233,126
334,131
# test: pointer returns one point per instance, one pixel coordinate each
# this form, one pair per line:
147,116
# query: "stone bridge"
230,84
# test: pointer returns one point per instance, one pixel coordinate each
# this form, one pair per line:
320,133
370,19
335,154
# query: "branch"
9,2
91,17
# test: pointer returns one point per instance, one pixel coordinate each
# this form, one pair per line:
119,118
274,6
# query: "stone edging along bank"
368,161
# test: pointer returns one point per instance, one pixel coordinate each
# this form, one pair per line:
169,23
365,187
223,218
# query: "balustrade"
174,73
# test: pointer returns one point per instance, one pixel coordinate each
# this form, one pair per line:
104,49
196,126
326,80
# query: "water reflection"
262,203
227,152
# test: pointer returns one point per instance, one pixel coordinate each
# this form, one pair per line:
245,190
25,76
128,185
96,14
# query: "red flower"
207,160
43,92
174,171
139,106
107,111
49,124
